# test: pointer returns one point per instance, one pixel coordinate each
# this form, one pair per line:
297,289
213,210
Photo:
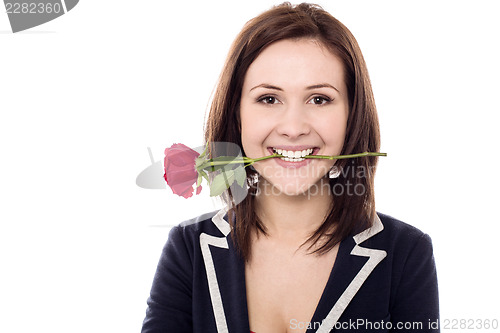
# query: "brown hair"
350,213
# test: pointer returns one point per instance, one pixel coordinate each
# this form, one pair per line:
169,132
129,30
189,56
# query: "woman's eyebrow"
268,86
322,85
316,86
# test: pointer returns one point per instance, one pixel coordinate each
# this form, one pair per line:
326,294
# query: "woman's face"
294,101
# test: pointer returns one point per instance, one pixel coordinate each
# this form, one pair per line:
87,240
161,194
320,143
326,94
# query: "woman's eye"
320,100
268,100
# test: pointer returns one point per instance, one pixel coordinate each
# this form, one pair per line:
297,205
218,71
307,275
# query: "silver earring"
254,179
334,172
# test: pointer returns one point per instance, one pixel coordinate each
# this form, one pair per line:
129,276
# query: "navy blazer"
383,280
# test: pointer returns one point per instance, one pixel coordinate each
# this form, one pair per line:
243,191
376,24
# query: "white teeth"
306,152
286,159
293,156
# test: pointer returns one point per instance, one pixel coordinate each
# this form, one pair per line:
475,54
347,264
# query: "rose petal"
180,169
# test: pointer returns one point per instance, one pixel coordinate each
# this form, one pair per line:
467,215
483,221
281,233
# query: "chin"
295,188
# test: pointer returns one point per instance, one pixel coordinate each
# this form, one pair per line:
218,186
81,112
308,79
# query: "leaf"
204,174
221,182
205,151
200,178
240,175
198,162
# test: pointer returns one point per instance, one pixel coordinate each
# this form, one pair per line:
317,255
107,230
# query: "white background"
83,96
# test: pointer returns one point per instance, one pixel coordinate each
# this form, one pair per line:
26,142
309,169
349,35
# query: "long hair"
353,211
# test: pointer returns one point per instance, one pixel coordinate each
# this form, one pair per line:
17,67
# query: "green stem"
249,161
211,163
339,157
265,158
242,160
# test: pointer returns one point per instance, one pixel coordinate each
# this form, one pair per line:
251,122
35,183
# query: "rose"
180,170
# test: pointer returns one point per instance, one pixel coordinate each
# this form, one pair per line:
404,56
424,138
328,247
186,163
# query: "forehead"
295,63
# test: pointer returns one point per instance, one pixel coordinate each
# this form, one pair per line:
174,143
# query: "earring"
334,172
254,178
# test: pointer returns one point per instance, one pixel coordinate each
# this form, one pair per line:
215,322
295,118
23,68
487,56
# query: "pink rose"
180,170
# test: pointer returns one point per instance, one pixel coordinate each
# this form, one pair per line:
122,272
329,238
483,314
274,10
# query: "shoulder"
399,230
410,268
407,247
401,239
189,231
213,223
199,224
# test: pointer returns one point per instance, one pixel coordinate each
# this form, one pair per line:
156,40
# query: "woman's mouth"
294,155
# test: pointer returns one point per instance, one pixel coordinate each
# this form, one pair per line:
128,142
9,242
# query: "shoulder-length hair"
352,211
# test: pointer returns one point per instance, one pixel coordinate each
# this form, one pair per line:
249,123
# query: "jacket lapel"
226,278
350,271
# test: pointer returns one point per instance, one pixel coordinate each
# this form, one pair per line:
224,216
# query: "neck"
293,218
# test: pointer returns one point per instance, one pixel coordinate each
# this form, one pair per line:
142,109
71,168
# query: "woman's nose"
294,122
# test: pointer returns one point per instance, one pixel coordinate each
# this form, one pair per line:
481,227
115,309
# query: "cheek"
253,130
246,127
333,131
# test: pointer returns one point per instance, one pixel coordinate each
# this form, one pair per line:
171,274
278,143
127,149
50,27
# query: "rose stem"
339,157
251,161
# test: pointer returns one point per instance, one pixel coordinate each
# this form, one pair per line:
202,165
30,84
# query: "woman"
305,251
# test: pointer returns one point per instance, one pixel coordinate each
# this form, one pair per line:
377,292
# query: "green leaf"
213,168
221,182
204,175
200,178
240,175
204,152
199,162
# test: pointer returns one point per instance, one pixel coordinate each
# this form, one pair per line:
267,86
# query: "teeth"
293,156
292,159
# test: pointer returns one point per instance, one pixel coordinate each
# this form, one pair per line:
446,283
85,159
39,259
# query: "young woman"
305,251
